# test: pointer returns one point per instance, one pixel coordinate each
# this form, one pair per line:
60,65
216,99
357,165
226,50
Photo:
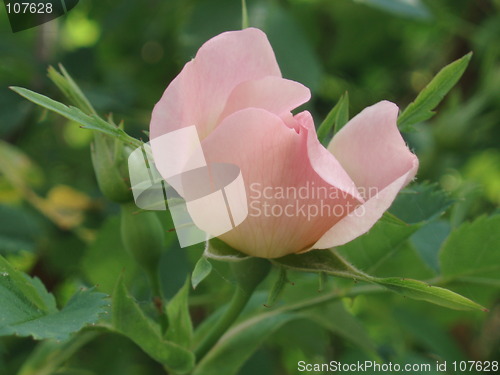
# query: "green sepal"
201,270
219,250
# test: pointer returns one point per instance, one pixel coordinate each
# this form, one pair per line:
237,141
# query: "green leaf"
370,251
27,309
18,231
472,253
344,324
404,261
92,122
17,115
420,203
422,107
330,262
201,270
240,342
336,119
219,250
342,116
22,287
49,356
429,335
70,89
386,243
428,240
243,339
180,327
419,290
130,320
105,259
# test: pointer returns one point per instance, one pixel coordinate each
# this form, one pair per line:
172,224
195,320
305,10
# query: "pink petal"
372,151
197,96
271,155
324,162
274,94
365,216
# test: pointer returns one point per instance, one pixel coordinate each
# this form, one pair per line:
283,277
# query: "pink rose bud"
300,195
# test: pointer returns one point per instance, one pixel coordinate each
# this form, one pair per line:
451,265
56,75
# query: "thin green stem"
237,304
331,297
244,15
303,305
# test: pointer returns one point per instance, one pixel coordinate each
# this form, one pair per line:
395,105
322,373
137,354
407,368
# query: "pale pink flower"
234,93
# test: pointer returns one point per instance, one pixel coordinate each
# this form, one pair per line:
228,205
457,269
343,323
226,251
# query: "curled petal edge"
361,220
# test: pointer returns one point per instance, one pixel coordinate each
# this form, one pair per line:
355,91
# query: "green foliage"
345,324
27,308
201,270
250,272
386,251
106,259
91,122
448,240
143,236
428,240
333,264
130,320
238,344
180,330
18,231
336,119
383,241
420,203
471,253
327,261
421,291
49,356
109,158
429,334
70,89
428,99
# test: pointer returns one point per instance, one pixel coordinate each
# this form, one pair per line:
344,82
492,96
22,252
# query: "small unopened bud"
109,158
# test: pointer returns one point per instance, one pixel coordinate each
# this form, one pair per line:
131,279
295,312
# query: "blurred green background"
124,53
